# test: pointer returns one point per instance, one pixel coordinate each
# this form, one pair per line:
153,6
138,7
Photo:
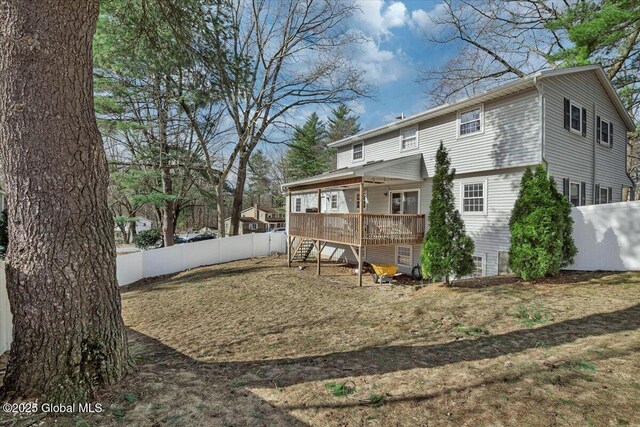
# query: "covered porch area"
394,220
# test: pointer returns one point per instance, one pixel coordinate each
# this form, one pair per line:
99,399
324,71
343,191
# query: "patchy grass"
252,343
340,389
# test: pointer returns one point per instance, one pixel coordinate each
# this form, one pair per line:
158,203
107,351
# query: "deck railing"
379,229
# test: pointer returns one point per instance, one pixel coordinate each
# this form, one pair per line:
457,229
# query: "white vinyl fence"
607,237
156,262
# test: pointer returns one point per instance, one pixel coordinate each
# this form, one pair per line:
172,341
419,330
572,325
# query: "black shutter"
598,128
565,187
583,193
596,194
610,195
610,134
584,122
567,114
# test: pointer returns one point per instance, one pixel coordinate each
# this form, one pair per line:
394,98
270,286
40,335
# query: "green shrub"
341,388
541,228
147,238
447,250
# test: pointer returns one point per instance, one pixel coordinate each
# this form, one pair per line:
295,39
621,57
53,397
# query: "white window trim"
403,190
579,192
601,142
485,192
480,132
571,129
352,152
331,196
606,200
295,204
484,263
410,255
417,138
253,226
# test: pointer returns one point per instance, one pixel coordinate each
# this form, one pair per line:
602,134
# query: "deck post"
361,219
318,248
288,218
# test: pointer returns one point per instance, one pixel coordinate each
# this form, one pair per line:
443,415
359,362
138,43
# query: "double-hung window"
357,201
474,197
253,226
298,206
334,202
404,255
605,193
409,138
575,117
575,193
604,131
470,121
358,152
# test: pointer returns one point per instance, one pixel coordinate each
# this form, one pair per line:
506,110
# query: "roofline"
525,82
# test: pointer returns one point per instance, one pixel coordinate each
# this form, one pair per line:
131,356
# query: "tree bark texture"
236,208
69,337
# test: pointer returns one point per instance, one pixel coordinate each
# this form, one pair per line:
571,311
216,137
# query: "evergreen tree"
541,228
308,154
342,124
260,178
447,250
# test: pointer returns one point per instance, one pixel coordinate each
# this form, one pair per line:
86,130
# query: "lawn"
255,343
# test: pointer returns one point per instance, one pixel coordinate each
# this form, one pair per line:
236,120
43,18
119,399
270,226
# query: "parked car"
201,237
279,230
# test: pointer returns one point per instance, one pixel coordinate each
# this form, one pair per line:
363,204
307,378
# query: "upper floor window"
470,121
298,207
575,118
358,151
334,202
604,131
409,138
473,197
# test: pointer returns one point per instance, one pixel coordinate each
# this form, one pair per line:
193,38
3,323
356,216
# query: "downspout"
540,88
595,143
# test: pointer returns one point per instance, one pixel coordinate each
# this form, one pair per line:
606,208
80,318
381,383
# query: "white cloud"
357,107
422,21
380,65
377,17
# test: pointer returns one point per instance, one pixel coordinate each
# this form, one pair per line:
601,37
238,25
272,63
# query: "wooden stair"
303,251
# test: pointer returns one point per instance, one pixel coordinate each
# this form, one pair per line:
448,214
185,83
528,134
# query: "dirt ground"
253,343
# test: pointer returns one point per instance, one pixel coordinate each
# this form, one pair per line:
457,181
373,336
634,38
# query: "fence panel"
129,268
197,254
607,237
5,312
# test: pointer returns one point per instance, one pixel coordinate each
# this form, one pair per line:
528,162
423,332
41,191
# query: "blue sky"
395,54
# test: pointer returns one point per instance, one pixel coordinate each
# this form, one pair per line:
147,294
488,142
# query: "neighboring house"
142,224
258,219
571,119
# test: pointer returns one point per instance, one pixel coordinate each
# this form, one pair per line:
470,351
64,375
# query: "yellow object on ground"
385,269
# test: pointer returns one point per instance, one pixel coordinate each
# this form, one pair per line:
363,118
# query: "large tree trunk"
238,193
68,332
220,207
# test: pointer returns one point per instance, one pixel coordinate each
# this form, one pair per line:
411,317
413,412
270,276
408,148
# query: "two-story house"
258,219
375,202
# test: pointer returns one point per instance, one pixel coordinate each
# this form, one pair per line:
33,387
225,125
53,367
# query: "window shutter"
598,128
584,122
583,193
610,134
567,114
610,195
596,194
565,187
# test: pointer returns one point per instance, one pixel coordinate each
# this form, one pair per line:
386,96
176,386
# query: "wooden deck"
378,229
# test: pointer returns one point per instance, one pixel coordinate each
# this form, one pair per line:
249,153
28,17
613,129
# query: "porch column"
318,248
361,219
288,223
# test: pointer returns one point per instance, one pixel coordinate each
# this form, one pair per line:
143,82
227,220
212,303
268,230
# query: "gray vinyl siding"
510,138
570,155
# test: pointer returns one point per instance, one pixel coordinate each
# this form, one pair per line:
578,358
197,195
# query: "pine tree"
447,250
342,124
541,228
260,178
308,154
